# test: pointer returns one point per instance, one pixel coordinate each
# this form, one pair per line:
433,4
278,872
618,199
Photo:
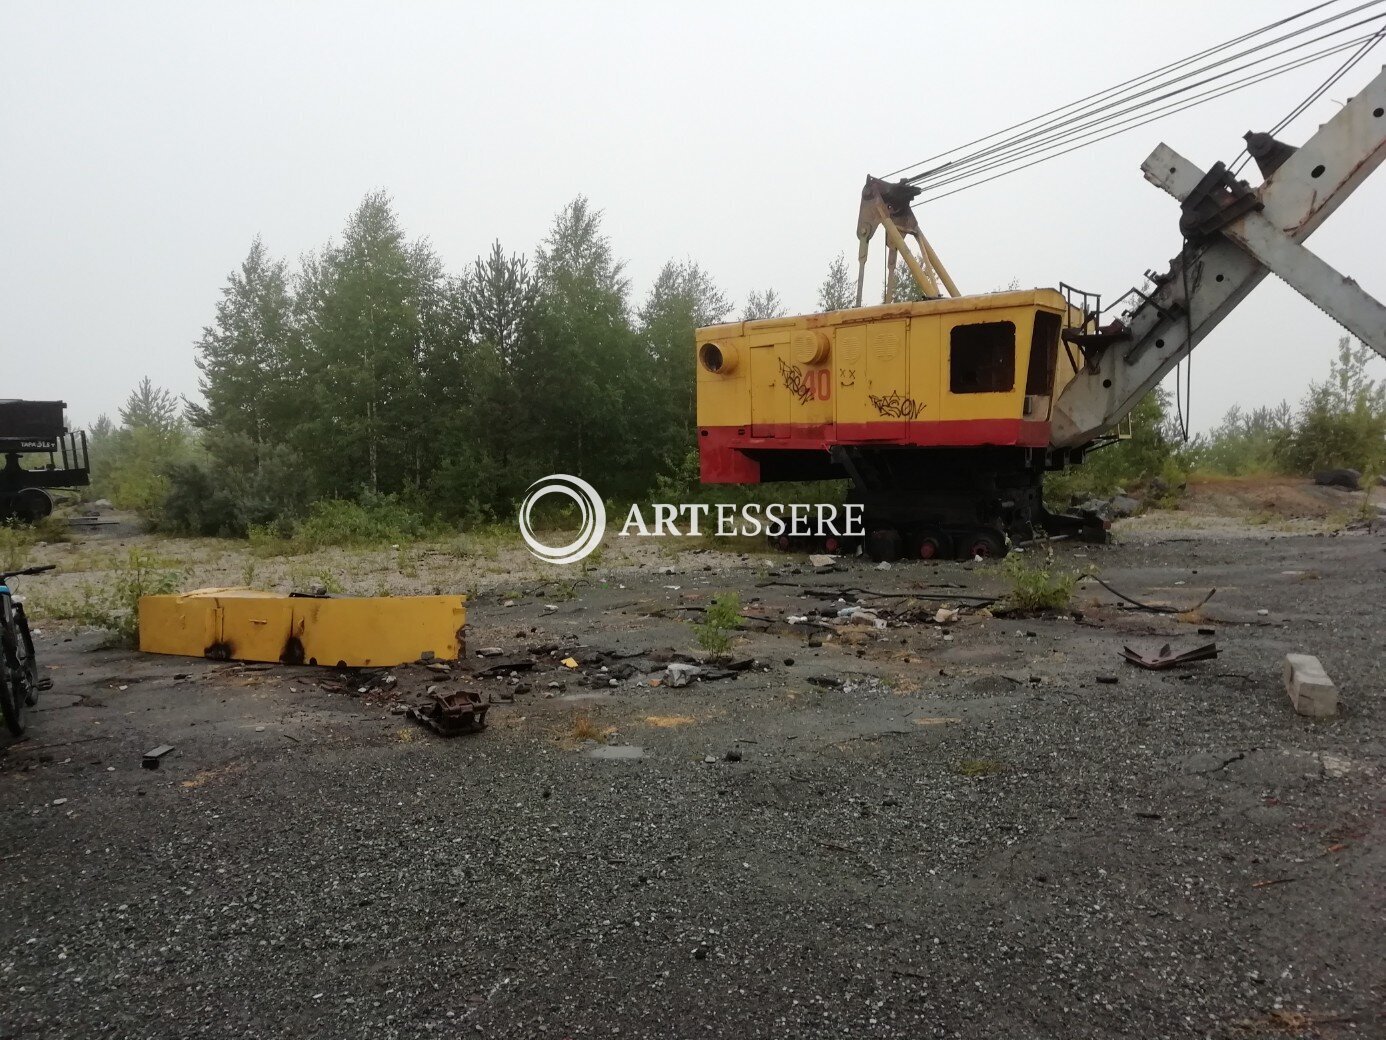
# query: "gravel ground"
931,831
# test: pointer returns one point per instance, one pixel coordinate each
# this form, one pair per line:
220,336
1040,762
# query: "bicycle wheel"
26,649
12,696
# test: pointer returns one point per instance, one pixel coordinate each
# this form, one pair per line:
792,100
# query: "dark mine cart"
38,428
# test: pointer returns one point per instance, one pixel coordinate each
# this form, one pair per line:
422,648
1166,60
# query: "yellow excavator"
946,412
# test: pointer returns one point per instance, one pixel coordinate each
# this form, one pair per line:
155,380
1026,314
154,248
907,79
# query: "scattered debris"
1272,881
1107,679
570,662
679,674
821,561
452,713
508,664
1153,608
1311,690
489,651
151,757
944,615
1167,657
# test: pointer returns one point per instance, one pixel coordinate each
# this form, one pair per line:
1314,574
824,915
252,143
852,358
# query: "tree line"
371,374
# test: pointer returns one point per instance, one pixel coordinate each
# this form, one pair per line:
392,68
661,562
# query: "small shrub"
115,604
311,579
584,728
1036,584
722,617
16,542
374,521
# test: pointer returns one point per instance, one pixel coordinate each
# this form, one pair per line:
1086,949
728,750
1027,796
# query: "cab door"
767,398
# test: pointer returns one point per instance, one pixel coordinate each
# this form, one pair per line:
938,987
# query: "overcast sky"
143,145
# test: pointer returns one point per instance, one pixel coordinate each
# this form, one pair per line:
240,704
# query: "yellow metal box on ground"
246,625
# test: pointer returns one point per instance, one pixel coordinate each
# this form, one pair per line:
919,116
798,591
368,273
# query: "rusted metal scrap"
451,714
1167,657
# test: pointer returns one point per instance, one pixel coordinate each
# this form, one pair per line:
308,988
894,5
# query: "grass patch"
377,521
584,728
18,541
114,604
1036,583
720,620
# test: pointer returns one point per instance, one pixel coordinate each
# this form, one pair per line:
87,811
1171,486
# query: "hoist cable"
1098,134
1026,144
1130,121
1134,81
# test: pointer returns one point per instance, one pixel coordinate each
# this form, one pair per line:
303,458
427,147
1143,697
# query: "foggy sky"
143,146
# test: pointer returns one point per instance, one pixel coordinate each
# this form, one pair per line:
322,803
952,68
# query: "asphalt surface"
932,831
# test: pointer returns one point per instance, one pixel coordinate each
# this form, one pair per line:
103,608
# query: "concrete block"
1311,690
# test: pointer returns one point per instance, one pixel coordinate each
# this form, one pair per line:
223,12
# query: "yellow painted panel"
927,367
768,399
849,356
379,631
888,376
252,628
245,625
184,625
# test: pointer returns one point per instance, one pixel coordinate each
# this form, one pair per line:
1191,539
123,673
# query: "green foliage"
16,542
131,464
762,305
1341,422
1036,584
150,407
838,291
234,485
373,521
1247,443
722,617
1154,449
907,290
113,605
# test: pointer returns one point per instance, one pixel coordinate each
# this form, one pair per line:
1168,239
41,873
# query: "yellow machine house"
900,397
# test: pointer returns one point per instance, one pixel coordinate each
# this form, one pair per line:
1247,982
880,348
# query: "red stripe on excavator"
1025,433
722,448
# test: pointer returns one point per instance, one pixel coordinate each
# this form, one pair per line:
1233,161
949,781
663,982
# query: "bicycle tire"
26,642
12,698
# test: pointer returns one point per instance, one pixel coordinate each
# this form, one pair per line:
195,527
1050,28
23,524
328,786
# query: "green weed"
114,605
722,617
1036,584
